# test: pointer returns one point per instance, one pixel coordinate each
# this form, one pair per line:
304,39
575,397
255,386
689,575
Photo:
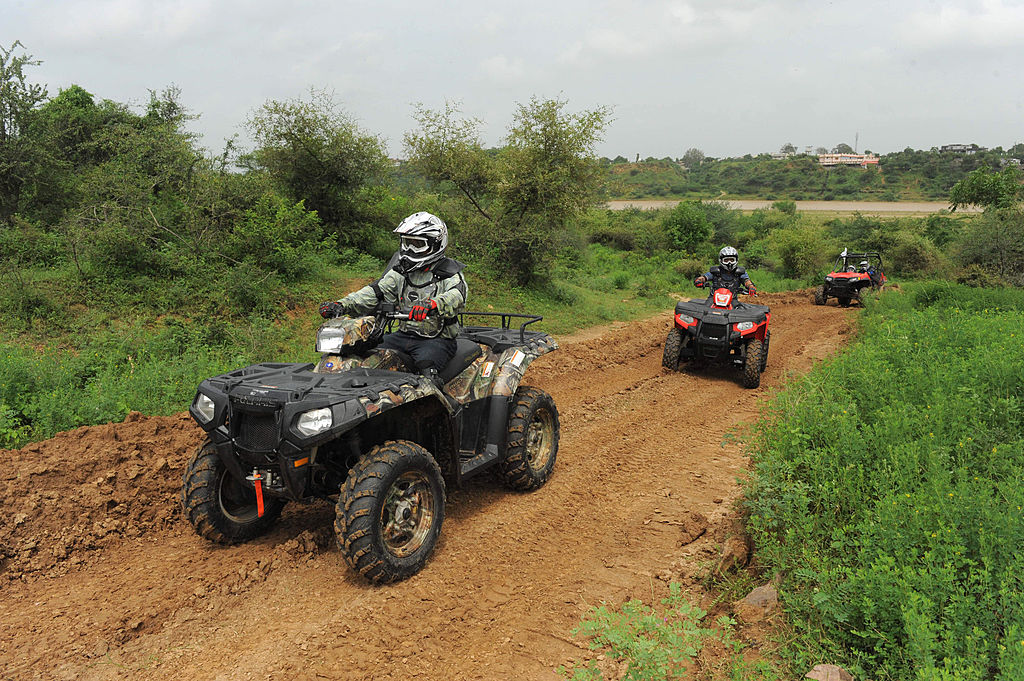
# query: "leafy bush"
687,226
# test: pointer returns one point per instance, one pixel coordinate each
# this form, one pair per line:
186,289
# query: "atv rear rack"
505,336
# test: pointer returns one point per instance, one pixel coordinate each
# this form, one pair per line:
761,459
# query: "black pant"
426,353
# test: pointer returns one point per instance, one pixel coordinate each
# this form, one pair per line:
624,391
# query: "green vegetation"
514,204
655,644
887,492
904,175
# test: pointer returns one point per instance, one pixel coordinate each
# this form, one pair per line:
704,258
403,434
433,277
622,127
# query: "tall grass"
888,491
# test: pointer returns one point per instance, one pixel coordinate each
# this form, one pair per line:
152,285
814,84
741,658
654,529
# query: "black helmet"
424,239
728,257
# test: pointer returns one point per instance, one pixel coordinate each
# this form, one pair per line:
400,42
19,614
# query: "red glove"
331,309
420,311
752,289
699,282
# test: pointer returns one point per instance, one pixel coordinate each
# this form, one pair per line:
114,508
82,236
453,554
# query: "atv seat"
466,351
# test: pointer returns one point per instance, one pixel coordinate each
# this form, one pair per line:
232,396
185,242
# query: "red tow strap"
257,481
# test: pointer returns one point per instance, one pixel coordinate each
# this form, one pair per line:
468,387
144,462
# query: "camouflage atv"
360,429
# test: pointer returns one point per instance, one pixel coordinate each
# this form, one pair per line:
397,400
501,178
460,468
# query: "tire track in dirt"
641,449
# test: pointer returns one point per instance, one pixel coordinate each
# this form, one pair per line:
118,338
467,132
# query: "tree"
315,153
20,156
693,157
842,148
787,148
821,150
982,187
521,198
687,226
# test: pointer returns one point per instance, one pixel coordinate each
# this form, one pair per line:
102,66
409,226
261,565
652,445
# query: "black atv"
361,429
720,330
850,276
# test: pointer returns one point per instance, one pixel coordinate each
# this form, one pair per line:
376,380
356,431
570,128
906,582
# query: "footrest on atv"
485,457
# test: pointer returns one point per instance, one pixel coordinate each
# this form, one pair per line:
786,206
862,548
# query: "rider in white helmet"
421,279
727,274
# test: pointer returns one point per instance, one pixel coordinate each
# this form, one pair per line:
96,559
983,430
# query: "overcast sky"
729,77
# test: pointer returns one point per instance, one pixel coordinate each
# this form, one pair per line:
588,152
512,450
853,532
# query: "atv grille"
256,431
717,332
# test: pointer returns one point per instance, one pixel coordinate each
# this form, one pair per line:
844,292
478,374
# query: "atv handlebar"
742,289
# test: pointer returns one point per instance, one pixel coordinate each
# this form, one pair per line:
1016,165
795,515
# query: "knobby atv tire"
819,296
673,345
390,511
532,440
219,507
752,364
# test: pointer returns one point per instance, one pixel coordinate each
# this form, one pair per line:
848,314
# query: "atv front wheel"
673,344
752,366
532,443
390,511
220,507
819,295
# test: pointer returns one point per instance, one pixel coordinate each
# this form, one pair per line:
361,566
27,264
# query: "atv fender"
512,364
410,392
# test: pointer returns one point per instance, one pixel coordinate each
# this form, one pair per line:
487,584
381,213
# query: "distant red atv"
850,276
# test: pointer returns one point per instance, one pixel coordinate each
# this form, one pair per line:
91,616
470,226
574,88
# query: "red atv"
850,276
720,330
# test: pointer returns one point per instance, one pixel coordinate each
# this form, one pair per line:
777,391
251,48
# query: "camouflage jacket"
442,282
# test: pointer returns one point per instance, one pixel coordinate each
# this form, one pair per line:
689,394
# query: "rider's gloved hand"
700,281
752,289
331,308
420,311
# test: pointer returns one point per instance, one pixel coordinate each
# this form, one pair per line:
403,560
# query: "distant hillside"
903,175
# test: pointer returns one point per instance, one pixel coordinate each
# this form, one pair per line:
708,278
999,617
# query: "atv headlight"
686,319
205,407
314,421
828,279
745,326
329,339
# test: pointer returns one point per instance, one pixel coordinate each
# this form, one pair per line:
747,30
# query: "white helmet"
424,238
728,257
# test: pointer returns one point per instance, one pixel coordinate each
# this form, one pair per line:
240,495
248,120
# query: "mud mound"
89,487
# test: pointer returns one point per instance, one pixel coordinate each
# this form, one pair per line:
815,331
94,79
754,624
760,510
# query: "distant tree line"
903,175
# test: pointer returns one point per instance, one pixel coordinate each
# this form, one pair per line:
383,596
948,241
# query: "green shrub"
887,489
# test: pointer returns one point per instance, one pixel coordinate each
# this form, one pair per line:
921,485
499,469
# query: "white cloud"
989,24
501,68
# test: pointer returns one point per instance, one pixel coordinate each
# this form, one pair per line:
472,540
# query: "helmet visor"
414,245
728,259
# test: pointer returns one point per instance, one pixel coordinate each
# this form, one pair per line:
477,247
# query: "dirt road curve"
100,578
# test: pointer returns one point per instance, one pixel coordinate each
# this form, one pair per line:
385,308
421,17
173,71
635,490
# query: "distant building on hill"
862,160
962,148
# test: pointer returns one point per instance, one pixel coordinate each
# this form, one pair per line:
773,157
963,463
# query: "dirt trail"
100,578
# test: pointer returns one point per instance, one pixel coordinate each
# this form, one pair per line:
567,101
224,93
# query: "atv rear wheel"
819,295
673,345
389,512
532,440
752,366
220,507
